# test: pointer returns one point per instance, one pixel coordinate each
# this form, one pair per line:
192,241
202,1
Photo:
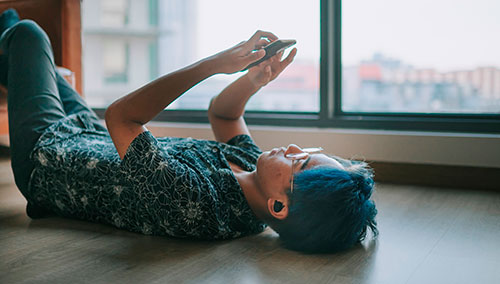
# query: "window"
191,30
114,13
423,56
385,64
216,29
120,46
115,57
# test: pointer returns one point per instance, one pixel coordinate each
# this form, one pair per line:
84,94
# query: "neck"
251,189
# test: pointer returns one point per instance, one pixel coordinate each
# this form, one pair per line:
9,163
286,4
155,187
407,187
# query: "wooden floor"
427,235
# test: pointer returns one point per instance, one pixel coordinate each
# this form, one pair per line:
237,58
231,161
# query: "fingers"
254,56
268,74
288,59
279,55
263,42
252,42
278,66
276,58
260,34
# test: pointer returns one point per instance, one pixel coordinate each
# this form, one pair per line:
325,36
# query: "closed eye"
305,163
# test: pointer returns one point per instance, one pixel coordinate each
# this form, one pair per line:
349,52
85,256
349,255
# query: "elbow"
115,118
108,115
213,113
210,106
111,116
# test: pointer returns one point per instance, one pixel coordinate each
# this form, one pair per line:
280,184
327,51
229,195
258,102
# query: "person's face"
274,170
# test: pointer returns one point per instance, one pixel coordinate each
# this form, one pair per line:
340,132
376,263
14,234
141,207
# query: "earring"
278,206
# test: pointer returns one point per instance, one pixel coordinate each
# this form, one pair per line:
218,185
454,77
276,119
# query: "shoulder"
246,142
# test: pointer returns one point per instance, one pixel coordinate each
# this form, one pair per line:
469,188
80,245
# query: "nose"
293,149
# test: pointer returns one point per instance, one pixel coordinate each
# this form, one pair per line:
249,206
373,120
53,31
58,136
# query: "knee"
29,29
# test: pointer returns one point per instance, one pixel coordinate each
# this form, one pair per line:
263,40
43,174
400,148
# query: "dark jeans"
38,96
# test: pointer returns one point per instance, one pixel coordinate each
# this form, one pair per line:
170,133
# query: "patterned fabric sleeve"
146,163
246,142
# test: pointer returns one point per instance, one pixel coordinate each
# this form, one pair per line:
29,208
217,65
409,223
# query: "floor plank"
427,235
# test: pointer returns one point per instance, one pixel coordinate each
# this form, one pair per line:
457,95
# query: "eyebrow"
305,163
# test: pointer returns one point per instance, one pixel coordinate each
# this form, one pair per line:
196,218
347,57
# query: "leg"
72,102
33,100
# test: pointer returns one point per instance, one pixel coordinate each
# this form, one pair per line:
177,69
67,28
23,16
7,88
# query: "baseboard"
437,175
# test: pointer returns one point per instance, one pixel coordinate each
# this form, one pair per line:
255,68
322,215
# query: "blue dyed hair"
330,209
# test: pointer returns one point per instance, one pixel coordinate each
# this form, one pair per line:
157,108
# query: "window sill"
437,148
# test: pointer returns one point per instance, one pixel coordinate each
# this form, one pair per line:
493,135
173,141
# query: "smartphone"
273,48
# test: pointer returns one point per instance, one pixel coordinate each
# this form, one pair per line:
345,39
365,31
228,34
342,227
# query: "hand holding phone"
272,49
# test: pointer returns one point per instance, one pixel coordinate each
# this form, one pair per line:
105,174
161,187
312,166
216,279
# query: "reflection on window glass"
420,56
181,32
115,61
120,48
114,13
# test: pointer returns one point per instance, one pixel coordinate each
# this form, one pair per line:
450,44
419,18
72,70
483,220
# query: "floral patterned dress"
164,186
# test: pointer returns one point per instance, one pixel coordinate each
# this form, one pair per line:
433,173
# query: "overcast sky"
238,20
444,34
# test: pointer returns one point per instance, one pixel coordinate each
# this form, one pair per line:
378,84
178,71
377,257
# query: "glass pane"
115,60
114,13
188,30
427,56
118,41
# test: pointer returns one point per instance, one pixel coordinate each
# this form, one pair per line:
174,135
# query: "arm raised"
226,110
126,117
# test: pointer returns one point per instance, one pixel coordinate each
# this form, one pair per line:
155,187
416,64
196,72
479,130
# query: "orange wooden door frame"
61,20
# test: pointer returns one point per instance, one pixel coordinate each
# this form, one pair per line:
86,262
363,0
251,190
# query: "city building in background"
383,84
420,56
127,44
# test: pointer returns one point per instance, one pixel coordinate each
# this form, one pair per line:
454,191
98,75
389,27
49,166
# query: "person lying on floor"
66,163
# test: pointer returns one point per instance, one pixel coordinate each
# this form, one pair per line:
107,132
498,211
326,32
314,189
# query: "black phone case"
272,49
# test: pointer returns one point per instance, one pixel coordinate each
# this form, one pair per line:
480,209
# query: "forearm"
145,103
125,118
230,103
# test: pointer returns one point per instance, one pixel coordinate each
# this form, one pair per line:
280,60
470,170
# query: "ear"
278,214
